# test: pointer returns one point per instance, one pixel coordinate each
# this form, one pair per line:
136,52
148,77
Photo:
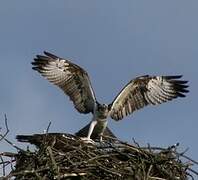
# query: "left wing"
146,90
71,78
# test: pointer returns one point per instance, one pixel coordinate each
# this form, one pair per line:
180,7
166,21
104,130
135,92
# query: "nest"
65,156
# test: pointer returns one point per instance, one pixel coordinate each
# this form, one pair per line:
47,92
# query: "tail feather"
33,139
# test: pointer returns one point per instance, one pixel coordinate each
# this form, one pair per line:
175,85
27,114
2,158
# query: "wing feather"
146,90
71,78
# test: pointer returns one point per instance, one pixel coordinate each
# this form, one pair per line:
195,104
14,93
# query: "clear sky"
115,41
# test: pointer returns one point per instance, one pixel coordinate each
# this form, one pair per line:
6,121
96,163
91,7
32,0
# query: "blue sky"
115,41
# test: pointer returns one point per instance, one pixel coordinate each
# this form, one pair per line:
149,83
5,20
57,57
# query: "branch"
7,129
2,137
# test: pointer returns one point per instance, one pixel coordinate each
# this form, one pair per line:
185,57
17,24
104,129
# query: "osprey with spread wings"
138,93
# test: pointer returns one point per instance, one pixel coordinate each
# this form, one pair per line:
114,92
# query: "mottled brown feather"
71,78
146,90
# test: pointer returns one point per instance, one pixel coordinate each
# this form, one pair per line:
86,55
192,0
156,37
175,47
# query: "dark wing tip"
38,62
34,62
35,68
173,77
180,95
180,86
51,55
182,82
41,60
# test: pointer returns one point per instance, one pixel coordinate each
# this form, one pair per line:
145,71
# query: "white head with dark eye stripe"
102,111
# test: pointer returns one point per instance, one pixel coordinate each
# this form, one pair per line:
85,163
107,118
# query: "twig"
3,163
2,137
149,170
55,167
8,154
11,164
176,153
109,171
12,144
156,178
195,162
47,130
7,129
195,172
70,175
134,141
27,172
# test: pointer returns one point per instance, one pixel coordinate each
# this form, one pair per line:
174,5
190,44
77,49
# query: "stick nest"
65,156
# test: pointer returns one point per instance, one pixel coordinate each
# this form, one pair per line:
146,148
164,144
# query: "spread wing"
146,90
71,78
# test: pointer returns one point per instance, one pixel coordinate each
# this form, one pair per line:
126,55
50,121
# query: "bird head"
103,110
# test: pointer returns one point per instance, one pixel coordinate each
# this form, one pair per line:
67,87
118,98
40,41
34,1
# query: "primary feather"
71,78
146,90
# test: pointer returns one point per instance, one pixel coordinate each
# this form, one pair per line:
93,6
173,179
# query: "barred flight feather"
71,78
146,90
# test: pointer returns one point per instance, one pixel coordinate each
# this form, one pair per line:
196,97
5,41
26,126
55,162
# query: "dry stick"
176,153
47,130
99,164
157,149
106,169
128,145
6,162
81,173
55,167
71,175
190,176
148,172
109,170
12,144
156,178
154,148
165,149
193,171
95,158
101,156
27,172
3,164
188,158
7,129
11,163
134,141
8,154
2,137
38,177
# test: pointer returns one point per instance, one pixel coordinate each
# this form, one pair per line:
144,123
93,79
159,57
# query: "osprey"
138,93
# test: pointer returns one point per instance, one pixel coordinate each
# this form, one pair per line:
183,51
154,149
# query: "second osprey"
138,93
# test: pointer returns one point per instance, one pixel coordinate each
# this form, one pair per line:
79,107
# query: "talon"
101,140
87,140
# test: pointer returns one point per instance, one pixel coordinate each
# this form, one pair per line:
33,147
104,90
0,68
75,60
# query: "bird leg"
91,128
101,137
